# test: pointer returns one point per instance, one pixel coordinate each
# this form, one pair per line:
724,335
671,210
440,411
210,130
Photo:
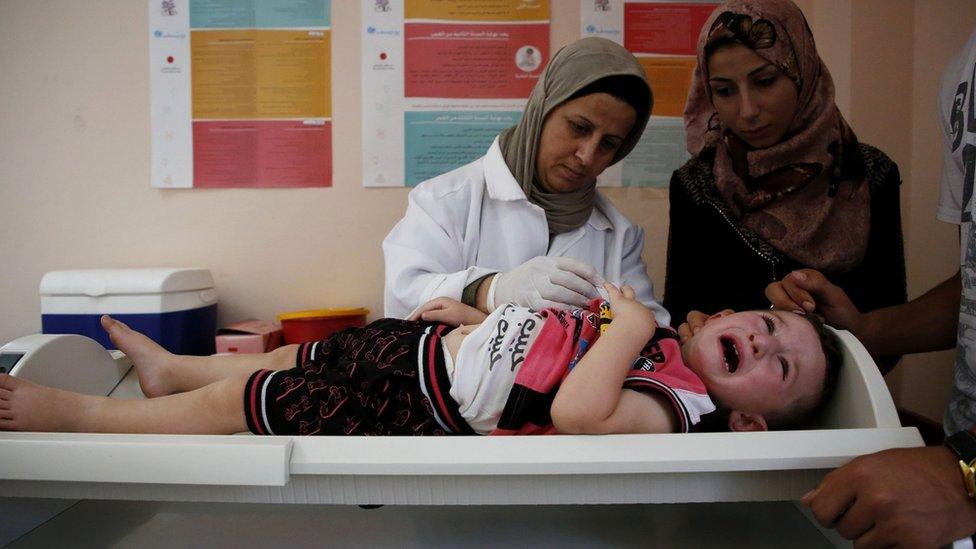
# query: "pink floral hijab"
806,194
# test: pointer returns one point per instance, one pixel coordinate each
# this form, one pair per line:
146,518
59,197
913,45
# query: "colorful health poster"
241,93
663,35
441,79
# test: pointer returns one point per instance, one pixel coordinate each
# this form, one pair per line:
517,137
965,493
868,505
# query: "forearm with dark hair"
926,323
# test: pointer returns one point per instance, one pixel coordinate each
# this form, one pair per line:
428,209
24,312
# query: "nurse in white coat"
525,223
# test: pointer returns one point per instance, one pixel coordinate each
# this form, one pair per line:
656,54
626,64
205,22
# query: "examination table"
580,489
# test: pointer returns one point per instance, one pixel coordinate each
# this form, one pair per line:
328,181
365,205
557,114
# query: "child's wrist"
640,315
634,323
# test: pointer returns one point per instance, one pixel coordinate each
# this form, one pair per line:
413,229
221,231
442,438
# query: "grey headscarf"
573,68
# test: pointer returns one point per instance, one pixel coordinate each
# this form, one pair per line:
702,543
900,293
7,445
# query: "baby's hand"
694,322
448,311
625,307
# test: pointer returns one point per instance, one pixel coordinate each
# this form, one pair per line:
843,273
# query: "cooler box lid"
100,282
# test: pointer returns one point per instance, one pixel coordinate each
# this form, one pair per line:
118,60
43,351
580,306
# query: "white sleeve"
633,271
422,254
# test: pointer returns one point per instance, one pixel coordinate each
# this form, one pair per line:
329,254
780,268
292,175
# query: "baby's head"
766,369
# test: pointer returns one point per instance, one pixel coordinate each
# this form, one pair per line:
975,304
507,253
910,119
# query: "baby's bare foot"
26,406
152,361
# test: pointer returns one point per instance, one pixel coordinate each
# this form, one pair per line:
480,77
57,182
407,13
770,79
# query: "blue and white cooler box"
177,308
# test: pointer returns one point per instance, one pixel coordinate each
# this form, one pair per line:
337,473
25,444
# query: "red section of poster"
283,153
670,29
489,61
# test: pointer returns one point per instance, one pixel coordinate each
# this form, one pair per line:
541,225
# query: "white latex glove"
543,282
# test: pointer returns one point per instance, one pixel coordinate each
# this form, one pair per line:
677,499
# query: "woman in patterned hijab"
777,181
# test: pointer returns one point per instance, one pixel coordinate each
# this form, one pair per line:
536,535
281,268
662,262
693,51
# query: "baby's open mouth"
730,353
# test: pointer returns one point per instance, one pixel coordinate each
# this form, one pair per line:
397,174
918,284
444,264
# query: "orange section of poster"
293,74
670,79
477,10
223,79
261,74
490,61
664,28
284,153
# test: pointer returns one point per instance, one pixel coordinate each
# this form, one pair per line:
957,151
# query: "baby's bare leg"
217,408
190,372
163,373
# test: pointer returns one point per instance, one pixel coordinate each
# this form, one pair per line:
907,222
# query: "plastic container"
249,336
317,324
176,308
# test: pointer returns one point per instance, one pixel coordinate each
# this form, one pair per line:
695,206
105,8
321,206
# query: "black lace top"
714,262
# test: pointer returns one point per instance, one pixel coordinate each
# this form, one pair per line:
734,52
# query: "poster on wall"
441,78
240,93
663,35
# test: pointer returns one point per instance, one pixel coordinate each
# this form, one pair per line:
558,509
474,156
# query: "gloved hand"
546,282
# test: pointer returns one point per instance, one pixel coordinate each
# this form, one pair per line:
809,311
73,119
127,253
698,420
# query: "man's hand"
810,291
906,497
448,311
694,321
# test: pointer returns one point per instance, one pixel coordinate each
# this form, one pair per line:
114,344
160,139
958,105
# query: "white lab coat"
476,220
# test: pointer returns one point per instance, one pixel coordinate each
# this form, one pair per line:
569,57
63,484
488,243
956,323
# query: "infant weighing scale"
436,471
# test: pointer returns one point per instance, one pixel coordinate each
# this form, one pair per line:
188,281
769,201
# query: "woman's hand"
543,282
810,291
694,321
626,309
448,311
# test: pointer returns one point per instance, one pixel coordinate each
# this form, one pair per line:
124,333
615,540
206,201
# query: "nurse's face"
753,98
579,140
